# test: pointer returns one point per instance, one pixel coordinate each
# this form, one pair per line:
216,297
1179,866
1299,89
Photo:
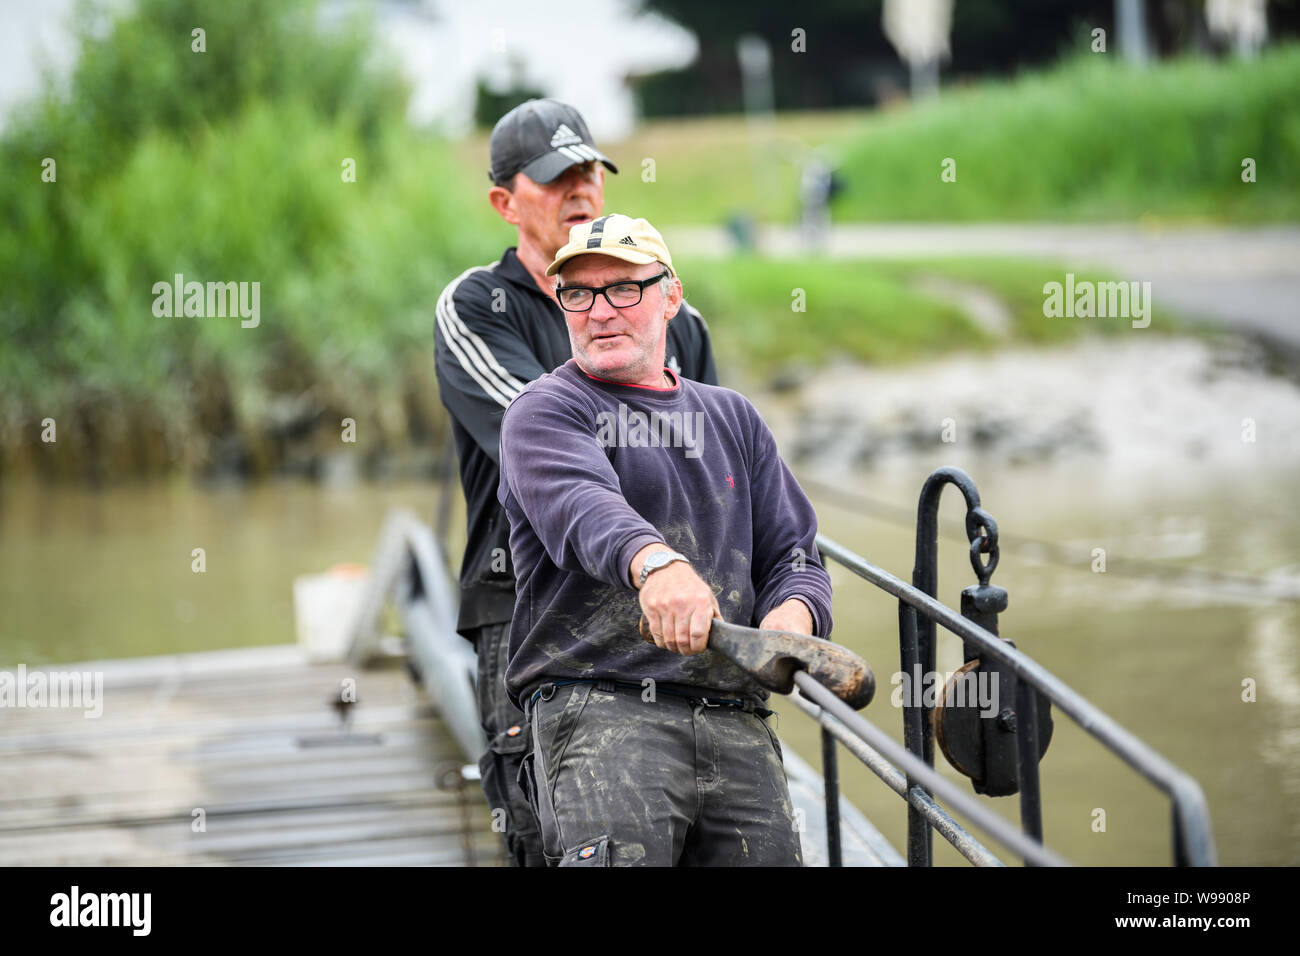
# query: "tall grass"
1093,139
1089,140
770,314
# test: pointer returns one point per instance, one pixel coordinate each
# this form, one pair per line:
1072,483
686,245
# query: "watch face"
657,560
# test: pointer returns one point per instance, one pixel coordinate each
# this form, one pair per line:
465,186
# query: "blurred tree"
845,50
138,73
224,164
490,103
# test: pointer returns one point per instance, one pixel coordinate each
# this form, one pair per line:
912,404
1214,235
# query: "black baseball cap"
541,139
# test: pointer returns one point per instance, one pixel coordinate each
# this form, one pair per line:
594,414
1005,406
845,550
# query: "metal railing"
410,568
918,612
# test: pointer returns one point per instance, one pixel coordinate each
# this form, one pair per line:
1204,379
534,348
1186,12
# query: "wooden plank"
141,808
217,729
267,835
250,737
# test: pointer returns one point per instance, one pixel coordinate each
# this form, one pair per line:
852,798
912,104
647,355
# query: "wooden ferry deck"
249,738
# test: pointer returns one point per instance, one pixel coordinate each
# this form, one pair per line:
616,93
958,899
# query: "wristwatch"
659,559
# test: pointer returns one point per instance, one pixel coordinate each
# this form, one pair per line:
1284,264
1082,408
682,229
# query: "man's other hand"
678,605
790,615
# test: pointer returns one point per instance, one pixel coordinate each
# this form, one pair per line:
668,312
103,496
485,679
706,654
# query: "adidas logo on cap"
626,241
563,136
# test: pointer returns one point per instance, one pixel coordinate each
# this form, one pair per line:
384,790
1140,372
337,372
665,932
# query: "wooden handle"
772,657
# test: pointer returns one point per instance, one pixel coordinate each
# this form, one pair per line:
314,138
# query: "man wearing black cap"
498,328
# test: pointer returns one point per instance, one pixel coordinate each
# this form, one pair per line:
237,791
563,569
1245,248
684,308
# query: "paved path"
1247,279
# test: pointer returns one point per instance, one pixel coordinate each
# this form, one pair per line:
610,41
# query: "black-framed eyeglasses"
620,295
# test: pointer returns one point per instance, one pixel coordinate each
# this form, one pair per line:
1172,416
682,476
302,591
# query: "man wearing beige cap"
499,327
632,491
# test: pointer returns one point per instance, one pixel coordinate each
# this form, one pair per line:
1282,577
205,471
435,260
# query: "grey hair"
665,289
667,281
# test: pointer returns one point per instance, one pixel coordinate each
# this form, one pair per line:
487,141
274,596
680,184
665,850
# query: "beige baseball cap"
632,240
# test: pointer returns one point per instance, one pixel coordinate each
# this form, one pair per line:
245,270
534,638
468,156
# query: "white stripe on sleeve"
475,357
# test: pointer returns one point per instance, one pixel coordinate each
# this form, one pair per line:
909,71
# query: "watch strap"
649,566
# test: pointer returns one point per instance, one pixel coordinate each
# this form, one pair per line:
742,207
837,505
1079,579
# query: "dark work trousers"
628,778
509,739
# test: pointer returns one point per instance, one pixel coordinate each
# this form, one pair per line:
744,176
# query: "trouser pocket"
554,719
513,813
771,735
553,731
592,853
527,780
499,765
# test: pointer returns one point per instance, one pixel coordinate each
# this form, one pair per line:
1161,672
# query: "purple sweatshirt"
592,472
